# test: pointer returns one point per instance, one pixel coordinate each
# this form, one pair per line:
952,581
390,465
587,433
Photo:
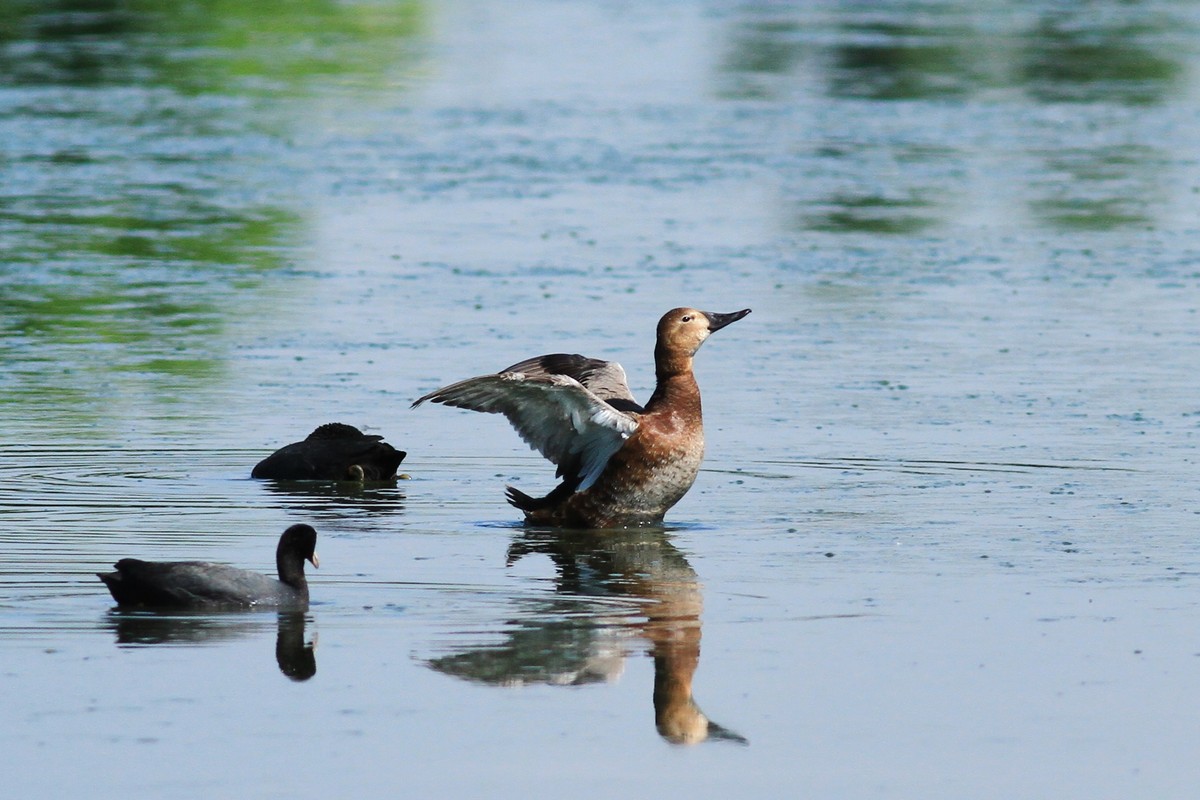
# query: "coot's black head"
297,545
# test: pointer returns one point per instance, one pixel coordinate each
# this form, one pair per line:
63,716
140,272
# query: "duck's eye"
686,318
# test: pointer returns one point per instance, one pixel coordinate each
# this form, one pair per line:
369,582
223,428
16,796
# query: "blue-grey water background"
944,544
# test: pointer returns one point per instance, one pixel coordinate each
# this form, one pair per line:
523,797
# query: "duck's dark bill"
718,321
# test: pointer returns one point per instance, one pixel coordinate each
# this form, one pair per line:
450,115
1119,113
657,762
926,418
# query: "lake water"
944,543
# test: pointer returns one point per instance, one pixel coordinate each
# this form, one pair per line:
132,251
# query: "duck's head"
683,330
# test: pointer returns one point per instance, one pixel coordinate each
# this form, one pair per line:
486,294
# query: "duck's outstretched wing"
554,413
605,379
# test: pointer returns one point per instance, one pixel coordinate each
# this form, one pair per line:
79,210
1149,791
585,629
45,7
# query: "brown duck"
621,464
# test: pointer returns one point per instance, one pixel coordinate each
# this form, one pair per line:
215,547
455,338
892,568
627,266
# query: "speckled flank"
651,473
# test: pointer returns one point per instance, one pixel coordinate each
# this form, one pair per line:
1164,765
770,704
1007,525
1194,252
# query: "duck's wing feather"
555,414
605,379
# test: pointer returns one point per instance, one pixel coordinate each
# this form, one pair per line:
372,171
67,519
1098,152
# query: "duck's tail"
523,501
529,504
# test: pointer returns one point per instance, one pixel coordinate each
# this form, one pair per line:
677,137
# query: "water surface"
943,542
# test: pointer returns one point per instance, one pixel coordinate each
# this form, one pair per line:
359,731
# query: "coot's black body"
202,584
333,452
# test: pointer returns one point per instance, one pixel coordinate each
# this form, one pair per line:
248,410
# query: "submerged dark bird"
202,584
333,452
621,464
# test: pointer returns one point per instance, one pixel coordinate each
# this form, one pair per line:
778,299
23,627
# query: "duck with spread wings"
621,464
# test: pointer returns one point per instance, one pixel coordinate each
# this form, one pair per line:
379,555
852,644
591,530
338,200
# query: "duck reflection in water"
295,656
563,641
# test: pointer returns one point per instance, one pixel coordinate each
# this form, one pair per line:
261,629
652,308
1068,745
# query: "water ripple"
67,511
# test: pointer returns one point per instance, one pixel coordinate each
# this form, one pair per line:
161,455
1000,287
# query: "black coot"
201,584
333,452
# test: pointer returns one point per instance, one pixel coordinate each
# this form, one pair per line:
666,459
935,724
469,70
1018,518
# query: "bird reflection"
578,637
296,658
332,497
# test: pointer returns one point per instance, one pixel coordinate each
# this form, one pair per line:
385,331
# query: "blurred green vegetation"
147,175
856,213
1099,188
1064,61
1092,52
205,45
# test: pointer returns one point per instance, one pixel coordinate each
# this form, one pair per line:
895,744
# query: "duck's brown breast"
643,480
663,462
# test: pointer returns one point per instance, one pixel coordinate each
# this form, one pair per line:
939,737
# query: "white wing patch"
555,415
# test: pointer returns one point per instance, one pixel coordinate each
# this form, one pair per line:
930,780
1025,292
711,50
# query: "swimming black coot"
202,584
333,452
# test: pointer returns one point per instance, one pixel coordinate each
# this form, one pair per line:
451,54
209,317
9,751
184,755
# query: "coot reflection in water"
295,657
333,498
570,641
